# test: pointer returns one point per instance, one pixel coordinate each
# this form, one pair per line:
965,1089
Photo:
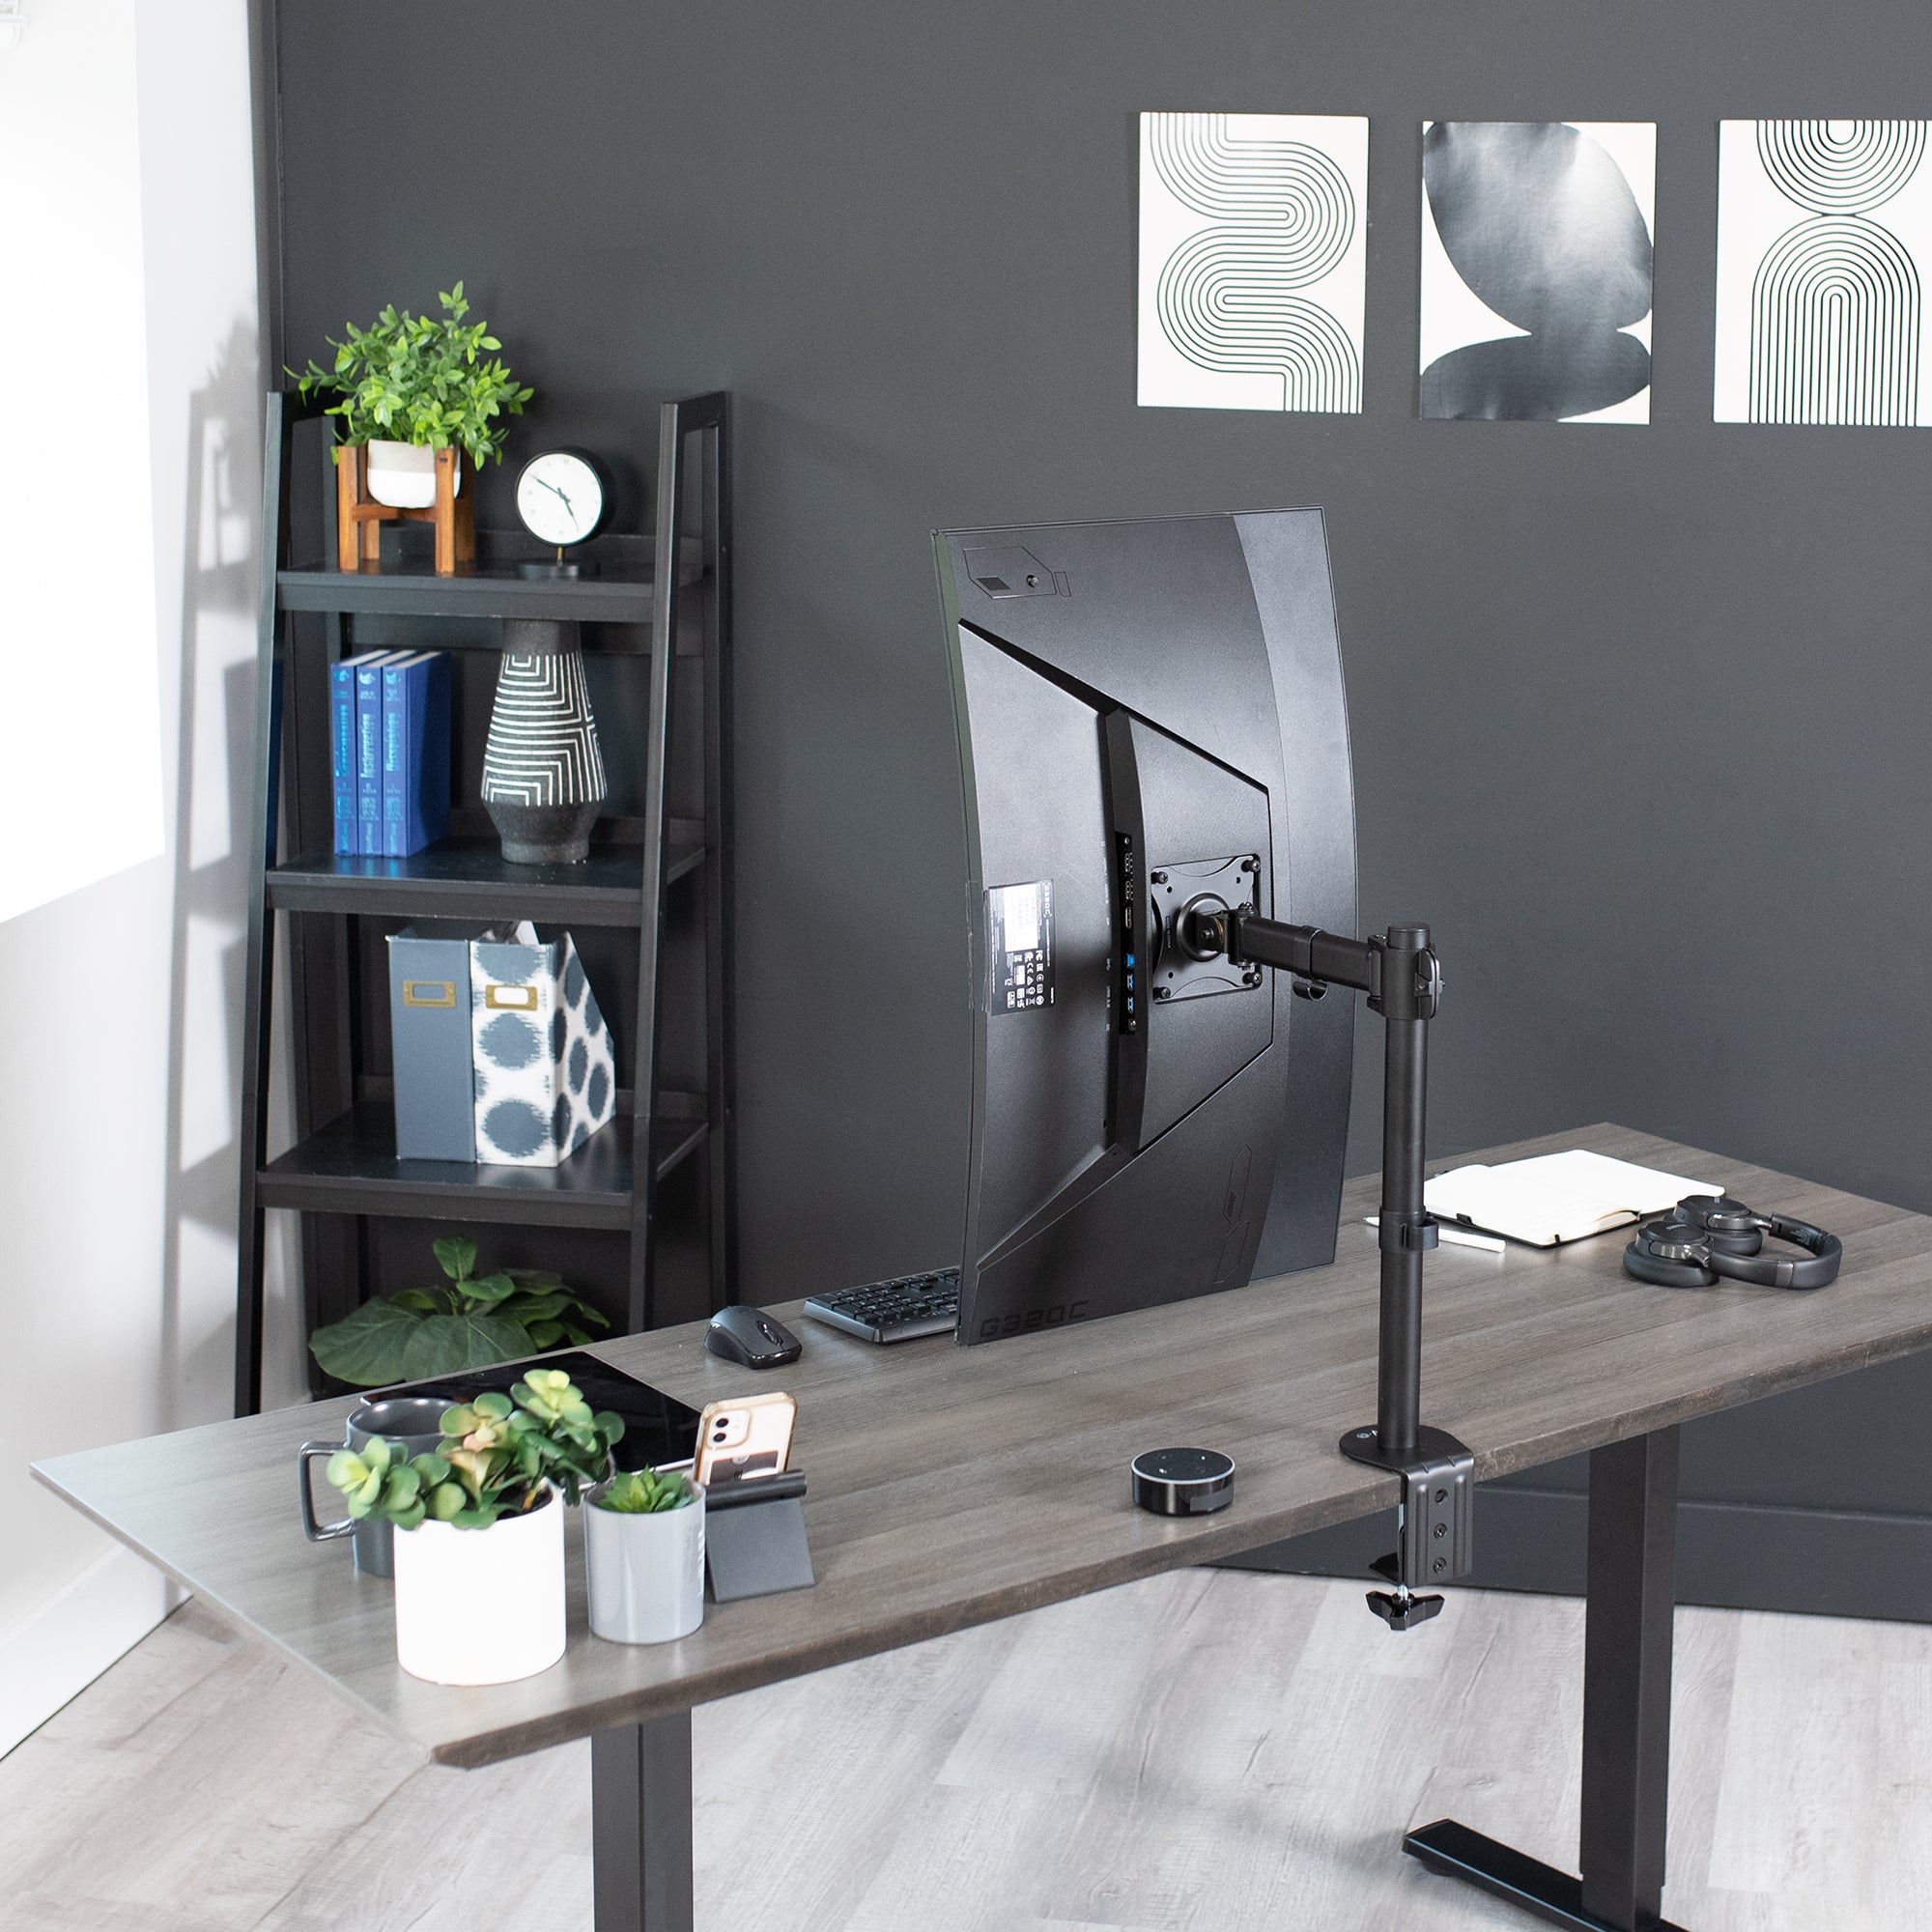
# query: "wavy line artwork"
1821,320
1251,271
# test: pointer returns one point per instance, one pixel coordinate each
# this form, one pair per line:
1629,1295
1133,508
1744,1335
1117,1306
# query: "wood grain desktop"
951,1487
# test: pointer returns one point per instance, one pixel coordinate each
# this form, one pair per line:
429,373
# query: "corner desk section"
951,1487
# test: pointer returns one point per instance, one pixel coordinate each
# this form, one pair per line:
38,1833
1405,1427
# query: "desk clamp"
1403,978
1435,1522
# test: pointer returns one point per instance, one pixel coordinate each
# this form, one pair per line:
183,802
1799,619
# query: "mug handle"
317,1532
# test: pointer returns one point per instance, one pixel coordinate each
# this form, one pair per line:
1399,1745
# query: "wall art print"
1824,234
1536,270
1252,261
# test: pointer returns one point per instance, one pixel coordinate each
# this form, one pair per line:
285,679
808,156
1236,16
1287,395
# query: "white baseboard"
60,1650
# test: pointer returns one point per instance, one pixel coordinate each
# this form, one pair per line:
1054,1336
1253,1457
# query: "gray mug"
415,1424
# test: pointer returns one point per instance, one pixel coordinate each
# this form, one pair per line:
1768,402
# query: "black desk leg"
641,1826
1632,1591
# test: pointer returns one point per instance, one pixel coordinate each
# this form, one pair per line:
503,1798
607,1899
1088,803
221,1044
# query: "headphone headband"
1706,1238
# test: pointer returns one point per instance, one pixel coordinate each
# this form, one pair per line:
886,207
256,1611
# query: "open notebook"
1552,1198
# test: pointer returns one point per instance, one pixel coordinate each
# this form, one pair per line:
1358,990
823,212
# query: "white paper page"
1527,1209
1616,1183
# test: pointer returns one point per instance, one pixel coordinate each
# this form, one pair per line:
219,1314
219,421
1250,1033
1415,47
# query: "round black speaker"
1184,1482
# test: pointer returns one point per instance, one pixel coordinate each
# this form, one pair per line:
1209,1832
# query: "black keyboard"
893,1310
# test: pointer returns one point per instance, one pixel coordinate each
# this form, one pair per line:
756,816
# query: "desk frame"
1627,1637
641,1826
640,1773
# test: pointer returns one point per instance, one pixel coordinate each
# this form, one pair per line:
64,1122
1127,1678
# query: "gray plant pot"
543,770
646,1572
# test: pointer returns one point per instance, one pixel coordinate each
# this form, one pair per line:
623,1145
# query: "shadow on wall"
213,802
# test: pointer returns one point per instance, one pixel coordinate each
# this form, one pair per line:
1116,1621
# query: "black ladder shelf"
659,868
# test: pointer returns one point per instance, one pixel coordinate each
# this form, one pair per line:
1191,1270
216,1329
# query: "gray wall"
1639,713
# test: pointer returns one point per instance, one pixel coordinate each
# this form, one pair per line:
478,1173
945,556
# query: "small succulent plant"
498,1456
375,1483
645,1492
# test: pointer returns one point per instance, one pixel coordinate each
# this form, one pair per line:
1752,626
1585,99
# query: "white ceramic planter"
646,1572
403,474
481,1605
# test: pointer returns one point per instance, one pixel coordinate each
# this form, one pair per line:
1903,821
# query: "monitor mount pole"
1403,982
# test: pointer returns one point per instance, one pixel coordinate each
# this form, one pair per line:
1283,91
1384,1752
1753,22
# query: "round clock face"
560,497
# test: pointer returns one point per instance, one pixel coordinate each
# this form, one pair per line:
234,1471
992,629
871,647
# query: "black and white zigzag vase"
543,774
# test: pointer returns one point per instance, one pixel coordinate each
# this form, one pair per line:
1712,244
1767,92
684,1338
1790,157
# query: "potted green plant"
414,394
467,1322
479,1562
410,384
644,1544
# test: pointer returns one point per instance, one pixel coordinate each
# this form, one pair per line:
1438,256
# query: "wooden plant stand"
359,518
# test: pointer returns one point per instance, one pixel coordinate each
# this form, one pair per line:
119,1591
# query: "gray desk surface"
949,1487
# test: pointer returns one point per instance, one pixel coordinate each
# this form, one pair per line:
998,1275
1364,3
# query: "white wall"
126,242
79,593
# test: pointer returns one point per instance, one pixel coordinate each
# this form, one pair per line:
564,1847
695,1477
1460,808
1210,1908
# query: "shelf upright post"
669,506
320,983
719,940
275,698
706,416
258,983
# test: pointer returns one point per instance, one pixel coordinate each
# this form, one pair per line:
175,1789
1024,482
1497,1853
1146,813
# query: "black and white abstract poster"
1252,261
1824,234
1535,250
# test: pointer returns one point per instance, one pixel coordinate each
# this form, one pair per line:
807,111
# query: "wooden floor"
1215,1750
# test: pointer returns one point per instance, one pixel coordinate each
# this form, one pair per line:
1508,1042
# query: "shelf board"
479,593
469,878
351,1168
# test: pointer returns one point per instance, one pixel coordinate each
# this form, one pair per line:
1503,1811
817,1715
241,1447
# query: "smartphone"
749,1436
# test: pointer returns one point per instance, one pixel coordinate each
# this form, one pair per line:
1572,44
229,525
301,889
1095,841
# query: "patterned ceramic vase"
543,774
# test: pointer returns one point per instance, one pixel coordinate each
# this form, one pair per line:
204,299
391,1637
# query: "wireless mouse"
750,1337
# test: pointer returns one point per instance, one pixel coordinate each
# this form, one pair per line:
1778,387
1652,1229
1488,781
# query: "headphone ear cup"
1641,1264
1715,1219
1750,1243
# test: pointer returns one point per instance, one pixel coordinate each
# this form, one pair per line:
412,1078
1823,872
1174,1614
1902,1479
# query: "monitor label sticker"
1019,950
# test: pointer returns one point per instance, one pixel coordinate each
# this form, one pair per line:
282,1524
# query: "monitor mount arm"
1403,982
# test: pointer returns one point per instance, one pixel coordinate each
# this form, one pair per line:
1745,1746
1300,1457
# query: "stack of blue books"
389,734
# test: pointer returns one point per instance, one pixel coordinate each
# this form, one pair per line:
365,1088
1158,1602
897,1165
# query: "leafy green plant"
645,1492
499,1455
471,1322
423,379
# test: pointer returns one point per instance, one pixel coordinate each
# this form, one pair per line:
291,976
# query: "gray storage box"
429,1029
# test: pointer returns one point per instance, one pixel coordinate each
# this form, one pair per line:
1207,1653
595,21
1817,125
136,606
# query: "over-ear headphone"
1709,1235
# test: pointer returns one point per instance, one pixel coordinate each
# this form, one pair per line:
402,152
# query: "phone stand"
754,1536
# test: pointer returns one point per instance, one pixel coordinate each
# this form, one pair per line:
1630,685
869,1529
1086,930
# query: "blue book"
416,751
369,752
342,746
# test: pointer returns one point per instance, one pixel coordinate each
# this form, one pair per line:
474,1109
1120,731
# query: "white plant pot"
481,1605
403,474
646,1572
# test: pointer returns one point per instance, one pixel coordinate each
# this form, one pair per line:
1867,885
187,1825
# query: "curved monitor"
1149,714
